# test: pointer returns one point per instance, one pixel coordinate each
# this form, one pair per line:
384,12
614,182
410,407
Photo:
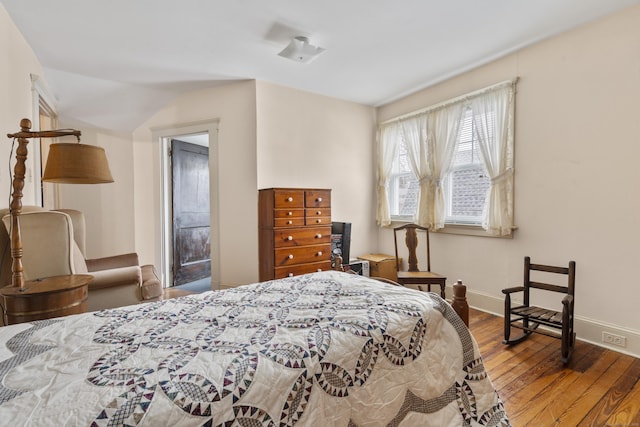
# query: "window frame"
450,220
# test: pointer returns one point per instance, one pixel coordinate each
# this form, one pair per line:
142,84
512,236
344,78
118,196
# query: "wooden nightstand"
46,298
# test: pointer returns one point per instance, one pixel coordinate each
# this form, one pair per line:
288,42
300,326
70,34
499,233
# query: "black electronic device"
340,241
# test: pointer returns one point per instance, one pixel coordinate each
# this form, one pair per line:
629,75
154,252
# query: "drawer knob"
289,237
318,236
318,221
319,199
319,213
319,270
289,213
290,256
290,199
290,274
289,222
319,253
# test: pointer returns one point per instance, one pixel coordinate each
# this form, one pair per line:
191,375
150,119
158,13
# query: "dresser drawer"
302,255
317,198
288,199
286,238
318,220
288,222
288,213
288,217
296,270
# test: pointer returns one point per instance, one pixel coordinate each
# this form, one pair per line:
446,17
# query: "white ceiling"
113,63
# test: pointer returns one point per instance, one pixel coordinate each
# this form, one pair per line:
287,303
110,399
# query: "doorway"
189,203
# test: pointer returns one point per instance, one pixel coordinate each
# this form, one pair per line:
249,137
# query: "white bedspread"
326,349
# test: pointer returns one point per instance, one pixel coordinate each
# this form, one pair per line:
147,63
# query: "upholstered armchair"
54,244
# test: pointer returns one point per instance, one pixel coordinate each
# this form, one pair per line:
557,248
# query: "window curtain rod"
455,100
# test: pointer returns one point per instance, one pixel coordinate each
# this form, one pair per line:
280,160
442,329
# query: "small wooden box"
381,265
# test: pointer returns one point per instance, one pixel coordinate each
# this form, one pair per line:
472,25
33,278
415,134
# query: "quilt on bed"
325,349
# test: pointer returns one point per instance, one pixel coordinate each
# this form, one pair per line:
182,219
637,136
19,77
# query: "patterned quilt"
325,349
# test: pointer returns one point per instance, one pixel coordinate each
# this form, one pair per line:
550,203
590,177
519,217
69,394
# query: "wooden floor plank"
610,401
628,412
580,407
597,387
547,406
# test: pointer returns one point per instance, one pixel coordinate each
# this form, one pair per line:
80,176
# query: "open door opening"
190,209
189,224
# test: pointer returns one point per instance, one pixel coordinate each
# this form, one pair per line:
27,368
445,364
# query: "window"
467,185
404,188
458,185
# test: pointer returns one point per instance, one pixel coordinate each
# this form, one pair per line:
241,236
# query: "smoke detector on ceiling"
300,50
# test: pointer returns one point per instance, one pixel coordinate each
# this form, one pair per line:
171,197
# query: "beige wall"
108,208
577,175
16,67
313,141
268,136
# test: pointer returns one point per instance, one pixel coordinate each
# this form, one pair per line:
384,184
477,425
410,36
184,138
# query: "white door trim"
164,136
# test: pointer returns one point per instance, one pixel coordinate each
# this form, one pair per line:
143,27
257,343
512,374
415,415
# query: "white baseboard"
588,330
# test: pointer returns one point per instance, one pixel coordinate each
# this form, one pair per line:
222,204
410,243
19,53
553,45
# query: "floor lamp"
73,163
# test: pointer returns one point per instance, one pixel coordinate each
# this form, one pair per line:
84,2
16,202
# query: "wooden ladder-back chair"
413,275
528,317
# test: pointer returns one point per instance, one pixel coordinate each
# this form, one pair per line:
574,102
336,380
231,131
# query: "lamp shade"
77,164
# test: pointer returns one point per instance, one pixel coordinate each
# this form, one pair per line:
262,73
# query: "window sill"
460,229
470,230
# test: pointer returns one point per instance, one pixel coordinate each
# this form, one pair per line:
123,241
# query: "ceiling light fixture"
300,50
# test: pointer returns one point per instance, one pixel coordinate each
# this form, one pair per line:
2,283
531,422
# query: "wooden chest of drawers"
295,231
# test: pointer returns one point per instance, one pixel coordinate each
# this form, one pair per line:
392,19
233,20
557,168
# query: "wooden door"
191,221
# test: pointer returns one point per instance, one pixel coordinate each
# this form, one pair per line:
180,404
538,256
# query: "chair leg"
507,325
567,348
518,339
568,337
507,319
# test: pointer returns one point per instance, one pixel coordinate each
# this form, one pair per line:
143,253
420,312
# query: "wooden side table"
46,298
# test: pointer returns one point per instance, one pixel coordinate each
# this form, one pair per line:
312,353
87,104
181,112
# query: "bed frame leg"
459,302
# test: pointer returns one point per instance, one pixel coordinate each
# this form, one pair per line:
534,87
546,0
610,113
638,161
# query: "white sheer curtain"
430,139
443,125
431,136
414,134
493,118
388,141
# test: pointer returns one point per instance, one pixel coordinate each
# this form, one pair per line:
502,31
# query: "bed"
324,349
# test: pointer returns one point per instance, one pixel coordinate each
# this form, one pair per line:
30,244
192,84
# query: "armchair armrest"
151,288
513,289
123,276
117,261
567,300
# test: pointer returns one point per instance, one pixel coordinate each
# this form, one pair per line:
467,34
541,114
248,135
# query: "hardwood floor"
598,387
